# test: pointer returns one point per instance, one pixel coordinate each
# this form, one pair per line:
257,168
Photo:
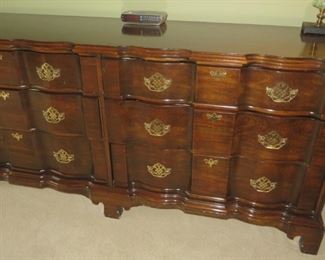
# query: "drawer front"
213,132
218,85
210,176
111,77
153,80
288,91
22,149
266,182
53,71
57,113
159,169
274,138
13,112
69,156
140,123
9,69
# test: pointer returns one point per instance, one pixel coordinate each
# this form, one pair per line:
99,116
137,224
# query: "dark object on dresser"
178,121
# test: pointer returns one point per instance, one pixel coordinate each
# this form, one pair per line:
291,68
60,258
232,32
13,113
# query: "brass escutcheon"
53,116
1,57
263,184
272,140
158,170
4,95
47,73
214,116
281,92
210,162
157,82
63,157
17,136
157,128
218,74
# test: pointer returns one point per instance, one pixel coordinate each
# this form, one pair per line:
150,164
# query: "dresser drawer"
9,69
69,156
21,149
13,109
141,123
274,138
213,132
210,176
57,113
280,90
218,85
266,182
53,71
157,80
159,169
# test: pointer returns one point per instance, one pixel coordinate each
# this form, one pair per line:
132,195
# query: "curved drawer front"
210,176
22,149
140,123
53,71
218,85
9,69
158,169
154,80
13,108
266,182
70,156
279,90
274,138
213,132
57,113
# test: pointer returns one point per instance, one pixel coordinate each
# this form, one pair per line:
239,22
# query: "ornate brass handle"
157,128
4,95
53,116
281,92
158,170
157,82
263,184
214,116
272,140
47,73
210,162
218,74
17,136
63,156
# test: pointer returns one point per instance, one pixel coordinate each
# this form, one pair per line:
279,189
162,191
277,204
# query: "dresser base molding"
115,200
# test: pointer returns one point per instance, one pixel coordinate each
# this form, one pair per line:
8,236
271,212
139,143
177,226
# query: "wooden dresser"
221,120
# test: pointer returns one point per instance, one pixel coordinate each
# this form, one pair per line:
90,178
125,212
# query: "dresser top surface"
195,36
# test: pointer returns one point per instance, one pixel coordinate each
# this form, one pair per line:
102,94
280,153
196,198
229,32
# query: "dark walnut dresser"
220,120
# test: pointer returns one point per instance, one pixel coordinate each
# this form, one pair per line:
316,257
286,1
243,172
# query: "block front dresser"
221,120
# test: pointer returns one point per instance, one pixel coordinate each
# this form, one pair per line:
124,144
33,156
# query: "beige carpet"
45,224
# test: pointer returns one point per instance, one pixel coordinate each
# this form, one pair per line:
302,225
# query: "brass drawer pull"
218,74
4,95
214,116
47,73
1,57
263,184
53,116
281,93
17,136
157,82
210,162
63,157
272,140
158,170
157,128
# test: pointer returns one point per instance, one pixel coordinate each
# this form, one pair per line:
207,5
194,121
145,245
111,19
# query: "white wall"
276,12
